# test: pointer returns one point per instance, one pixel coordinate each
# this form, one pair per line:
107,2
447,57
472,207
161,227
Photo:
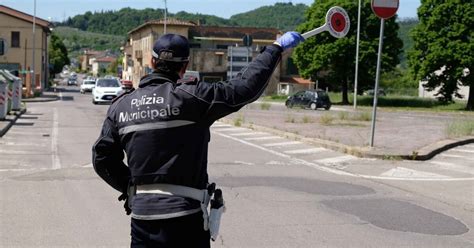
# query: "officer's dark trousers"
182,232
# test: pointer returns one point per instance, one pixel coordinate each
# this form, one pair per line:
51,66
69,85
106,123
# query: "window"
15,39
222,46
219,59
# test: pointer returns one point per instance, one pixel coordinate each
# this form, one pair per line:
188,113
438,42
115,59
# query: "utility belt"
204,196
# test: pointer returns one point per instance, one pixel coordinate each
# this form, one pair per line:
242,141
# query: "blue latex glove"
289,40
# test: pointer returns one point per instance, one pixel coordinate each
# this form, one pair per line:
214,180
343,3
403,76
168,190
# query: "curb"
12,121
40,99
422,154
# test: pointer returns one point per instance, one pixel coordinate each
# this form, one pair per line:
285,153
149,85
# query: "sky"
58,10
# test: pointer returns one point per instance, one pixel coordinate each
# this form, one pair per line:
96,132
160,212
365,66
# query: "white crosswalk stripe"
221,125
464,157
231,129
264,138
246,134
289,143
306,151
335,160
463,150
453,167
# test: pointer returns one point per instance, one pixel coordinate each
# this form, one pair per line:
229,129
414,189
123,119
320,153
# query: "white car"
105,90
87,86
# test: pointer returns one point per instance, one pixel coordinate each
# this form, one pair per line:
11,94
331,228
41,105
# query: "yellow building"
142,38
16,34
210,54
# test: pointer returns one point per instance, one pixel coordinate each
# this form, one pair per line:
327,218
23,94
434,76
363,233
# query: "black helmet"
171,47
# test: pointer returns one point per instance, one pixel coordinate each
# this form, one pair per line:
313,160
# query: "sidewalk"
11,118
398,135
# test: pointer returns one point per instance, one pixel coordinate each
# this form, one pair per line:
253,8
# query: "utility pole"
33,79
166,13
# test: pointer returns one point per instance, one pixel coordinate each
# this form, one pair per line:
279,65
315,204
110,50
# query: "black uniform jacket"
163,127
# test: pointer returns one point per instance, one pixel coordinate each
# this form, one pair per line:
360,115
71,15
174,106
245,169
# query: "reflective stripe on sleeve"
155,125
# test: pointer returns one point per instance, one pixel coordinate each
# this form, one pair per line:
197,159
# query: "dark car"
312,99
71,81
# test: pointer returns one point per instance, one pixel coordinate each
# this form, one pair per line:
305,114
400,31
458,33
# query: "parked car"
105,90
87,86
127,85
312,99
381,92
72,81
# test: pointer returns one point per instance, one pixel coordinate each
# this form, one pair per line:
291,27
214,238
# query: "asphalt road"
279,193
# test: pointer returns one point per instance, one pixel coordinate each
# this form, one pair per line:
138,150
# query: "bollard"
3,97
9,90
16,90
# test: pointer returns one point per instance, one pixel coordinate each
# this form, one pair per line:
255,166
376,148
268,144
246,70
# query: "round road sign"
385,8
338,22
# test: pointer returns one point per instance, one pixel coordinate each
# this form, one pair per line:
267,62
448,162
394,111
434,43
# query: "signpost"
356,76
384,9
248,41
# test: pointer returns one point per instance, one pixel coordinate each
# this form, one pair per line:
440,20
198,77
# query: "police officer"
163,127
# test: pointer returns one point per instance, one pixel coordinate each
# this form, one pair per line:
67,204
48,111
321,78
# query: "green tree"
444,48
57,55
113,67
333,60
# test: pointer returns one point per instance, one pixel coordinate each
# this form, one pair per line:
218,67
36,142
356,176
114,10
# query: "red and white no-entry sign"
385,8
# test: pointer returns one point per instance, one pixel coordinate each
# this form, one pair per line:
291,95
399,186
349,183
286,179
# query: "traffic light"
2,47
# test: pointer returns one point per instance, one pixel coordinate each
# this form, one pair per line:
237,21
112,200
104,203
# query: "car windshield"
89,82
108,83
322,93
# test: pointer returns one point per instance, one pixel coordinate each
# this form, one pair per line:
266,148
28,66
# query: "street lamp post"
33,79
166,12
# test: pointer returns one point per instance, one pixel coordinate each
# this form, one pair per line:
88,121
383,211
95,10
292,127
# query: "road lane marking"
339,172
6,143
409,173
306,151
264,138
13,152
19,170
451,156
231,129
463,150
56,163
243,162
220,125
457,156
453,167
289,143
247,134
335,160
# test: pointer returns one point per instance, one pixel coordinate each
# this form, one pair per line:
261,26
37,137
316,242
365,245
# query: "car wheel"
313,106
289,104
327,107
94,102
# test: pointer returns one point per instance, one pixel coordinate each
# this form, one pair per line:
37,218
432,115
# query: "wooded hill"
284,16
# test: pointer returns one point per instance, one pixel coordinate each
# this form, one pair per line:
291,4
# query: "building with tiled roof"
211,49
16,36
